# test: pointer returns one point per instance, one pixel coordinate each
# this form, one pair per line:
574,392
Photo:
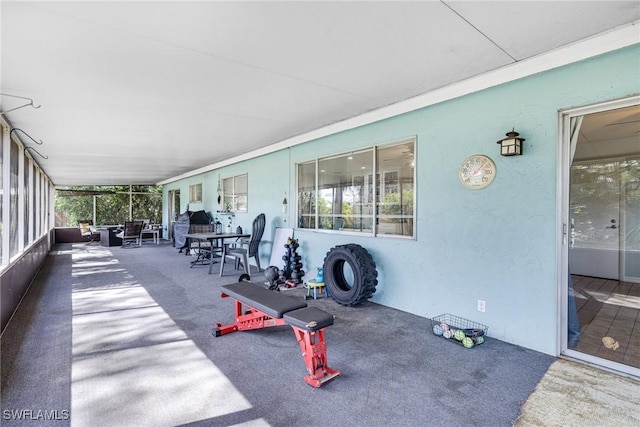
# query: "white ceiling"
608,134
141,92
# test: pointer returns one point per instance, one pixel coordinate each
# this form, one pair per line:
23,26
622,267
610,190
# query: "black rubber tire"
365,275
244,278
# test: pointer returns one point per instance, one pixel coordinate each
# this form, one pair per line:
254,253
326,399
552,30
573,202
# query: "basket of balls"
463,331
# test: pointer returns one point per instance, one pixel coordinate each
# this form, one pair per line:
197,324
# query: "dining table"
212,238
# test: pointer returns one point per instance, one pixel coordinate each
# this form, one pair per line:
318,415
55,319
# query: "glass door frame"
563,230
173,197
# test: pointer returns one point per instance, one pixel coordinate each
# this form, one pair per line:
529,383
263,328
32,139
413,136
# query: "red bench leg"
314,352
251,319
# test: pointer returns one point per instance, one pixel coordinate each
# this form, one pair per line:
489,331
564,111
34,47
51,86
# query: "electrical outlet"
481,306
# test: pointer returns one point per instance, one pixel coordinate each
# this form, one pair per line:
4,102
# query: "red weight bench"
257,308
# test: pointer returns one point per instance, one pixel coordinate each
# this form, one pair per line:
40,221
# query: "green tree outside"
114,204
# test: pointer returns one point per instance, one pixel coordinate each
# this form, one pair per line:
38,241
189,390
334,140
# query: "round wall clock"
477,172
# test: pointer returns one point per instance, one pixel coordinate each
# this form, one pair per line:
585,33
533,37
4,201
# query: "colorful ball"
446,334
444,326
459,335
479,340
437,330
467,342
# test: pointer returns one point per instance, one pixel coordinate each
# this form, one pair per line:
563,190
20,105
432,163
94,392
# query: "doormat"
574,394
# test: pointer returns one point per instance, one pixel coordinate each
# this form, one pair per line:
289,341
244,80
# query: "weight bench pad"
310,319
269,302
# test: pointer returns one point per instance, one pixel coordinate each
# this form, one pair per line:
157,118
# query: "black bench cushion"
309,318
269,302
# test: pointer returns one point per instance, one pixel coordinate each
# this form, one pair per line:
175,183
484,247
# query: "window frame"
234,200
373,181
195,193
23,186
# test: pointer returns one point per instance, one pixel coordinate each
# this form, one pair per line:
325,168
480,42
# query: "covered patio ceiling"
144,92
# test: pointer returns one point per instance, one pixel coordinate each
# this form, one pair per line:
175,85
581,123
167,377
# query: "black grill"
183,224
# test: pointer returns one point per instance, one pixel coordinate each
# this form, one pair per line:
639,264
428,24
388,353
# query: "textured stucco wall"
497,244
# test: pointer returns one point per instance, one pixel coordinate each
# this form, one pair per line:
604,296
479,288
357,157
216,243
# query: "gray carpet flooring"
122,337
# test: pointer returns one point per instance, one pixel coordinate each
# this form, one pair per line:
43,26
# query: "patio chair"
248,248
131,234
146,223
147,229
88,231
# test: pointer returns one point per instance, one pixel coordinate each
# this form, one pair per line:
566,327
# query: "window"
13,199
22,188
307,195
112,204
195,193
26,200
394,206
146,202
235,193
34,173
340,193
2,166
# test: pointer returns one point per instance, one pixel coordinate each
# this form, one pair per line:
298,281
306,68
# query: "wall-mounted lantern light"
511,145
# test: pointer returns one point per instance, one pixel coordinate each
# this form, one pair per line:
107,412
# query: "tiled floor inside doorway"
609,308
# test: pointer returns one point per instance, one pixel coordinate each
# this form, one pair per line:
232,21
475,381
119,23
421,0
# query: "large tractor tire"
350,274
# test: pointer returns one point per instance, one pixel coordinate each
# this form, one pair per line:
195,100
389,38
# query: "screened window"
369,191
26,200
21,203
37,182
110,208
146,202
44,207
13,199
112,204
2,166
235,193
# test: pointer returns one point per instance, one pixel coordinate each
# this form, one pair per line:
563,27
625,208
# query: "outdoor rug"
575,394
